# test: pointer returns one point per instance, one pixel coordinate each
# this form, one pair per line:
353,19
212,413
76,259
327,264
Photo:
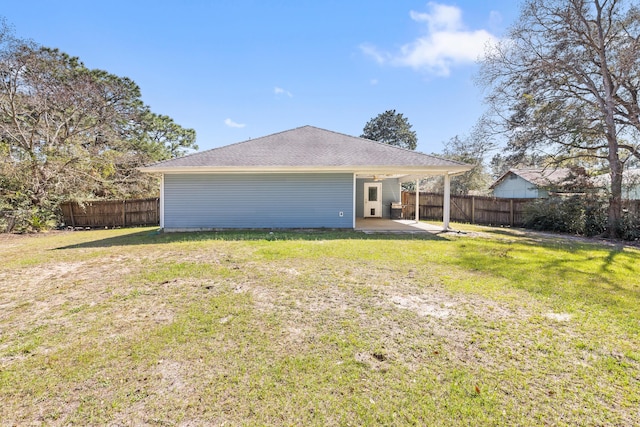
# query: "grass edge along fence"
470,209
112,213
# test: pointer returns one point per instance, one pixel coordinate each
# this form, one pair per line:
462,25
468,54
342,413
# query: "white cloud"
280,91
233,124
446,43
442,17
373,52
373,82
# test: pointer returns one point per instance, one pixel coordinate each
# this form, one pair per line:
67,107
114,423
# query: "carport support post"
446,208
417,200
162,202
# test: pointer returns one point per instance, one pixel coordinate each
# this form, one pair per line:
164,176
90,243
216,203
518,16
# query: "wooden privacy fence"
112,213
471,209
633,206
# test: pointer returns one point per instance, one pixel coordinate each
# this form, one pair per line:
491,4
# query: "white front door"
373,199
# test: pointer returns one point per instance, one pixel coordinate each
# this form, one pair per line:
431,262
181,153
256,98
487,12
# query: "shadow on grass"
559,268
550,237
154,237
569,242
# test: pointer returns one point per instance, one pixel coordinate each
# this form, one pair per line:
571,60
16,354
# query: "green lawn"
488,327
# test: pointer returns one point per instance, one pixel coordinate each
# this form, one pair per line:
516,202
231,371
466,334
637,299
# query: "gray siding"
206,201
390,194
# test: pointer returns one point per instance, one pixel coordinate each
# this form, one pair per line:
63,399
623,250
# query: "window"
373,194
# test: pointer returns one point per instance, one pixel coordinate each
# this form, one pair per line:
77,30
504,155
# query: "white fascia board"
458,173
420,175
359,170
413,170
244,170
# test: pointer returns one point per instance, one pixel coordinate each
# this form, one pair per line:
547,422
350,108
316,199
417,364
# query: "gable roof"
308,148
538,177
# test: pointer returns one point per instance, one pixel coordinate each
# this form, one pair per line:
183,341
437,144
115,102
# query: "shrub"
576,215
540,215
19,215
595,217
628,228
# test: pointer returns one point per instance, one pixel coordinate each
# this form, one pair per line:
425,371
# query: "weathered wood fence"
470,209
112,213
478,209
632,206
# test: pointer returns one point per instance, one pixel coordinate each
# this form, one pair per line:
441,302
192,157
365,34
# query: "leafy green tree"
565,81
391,128
472,151
68,132
160,137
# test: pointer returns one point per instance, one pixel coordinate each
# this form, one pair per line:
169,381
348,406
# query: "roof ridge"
292,148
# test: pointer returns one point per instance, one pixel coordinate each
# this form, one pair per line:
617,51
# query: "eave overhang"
359,170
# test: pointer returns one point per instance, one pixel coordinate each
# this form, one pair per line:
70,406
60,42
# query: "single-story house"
530,183
301,178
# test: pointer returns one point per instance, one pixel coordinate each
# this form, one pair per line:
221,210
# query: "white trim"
354,200
162,201
417,200
446,211
360,170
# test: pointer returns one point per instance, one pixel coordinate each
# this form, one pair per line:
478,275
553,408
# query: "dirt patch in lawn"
217,332
424,306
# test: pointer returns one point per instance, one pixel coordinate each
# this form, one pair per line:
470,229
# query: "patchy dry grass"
131,327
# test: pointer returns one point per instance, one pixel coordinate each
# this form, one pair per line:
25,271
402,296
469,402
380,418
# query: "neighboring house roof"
538,177
630,177
630,180
305,148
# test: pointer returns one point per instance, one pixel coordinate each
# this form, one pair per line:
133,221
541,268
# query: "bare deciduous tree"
565,81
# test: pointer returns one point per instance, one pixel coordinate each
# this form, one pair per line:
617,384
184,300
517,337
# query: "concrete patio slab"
382,225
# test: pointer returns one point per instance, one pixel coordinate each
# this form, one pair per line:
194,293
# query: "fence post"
473,209
124,213
417,200
73,220
511,212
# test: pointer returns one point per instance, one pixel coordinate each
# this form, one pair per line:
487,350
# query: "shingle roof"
306,146
539,177
630,177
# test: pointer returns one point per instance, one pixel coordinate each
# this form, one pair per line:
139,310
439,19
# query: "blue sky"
240,69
